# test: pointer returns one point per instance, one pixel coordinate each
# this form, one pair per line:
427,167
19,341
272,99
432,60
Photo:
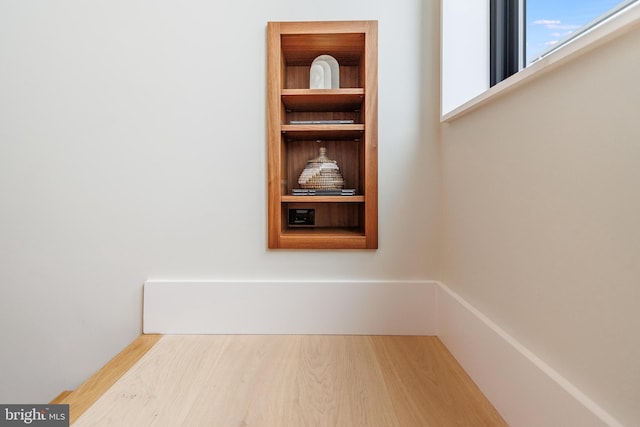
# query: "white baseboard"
349,308
525,390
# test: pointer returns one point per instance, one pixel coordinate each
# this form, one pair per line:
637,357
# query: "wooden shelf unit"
341,222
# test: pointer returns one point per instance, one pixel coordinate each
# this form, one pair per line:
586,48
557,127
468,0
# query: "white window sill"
609,29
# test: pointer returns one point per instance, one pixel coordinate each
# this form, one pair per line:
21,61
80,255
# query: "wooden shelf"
323,199
319,238
325,232
323,99
301,42
341,222
319,132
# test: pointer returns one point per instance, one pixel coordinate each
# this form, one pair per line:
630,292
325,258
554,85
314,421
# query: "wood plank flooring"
296,381
92,389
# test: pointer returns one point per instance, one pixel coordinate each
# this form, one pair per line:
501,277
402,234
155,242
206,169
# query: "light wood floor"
297,381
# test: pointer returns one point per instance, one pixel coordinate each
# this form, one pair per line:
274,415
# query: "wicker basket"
321,173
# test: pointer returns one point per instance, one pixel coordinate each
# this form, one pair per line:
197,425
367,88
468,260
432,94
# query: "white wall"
541,209
132,147
465,51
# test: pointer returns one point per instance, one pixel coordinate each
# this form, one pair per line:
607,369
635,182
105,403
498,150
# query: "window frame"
507,38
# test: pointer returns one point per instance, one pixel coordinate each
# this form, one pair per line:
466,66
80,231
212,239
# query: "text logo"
34,415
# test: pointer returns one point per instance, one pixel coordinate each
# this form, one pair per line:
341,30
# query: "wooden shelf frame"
291,48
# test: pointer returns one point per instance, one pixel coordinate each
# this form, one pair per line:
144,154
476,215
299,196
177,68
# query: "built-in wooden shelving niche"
339,222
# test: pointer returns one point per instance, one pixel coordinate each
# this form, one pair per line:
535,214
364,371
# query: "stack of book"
314,192
321,122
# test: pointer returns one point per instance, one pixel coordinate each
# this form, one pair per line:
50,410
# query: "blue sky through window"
550,21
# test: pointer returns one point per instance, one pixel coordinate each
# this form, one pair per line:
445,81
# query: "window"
547,34
524,31
551,23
